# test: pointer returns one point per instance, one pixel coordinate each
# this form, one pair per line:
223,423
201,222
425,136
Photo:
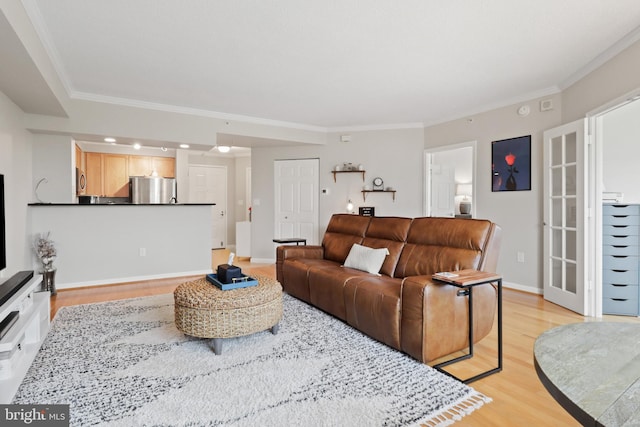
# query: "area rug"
124,363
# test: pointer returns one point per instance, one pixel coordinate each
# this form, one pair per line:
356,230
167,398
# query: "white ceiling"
331,64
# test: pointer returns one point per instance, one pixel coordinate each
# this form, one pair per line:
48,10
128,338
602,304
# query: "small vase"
48,275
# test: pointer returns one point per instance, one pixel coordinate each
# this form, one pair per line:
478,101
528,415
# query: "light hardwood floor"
519,399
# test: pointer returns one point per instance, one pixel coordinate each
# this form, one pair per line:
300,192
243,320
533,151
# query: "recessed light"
184,145
109,139
224,148
136,146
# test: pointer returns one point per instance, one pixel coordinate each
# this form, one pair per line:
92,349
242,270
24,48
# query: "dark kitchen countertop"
122,204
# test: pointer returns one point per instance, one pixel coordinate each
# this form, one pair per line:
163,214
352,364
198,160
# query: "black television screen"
3,239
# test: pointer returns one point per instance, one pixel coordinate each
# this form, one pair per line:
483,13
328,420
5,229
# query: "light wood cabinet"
115,175
145,165
78,157
94,174
140,166
164,166
108,174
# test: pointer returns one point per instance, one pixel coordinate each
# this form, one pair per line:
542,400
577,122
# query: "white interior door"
296,199
443,190
565,216
208,184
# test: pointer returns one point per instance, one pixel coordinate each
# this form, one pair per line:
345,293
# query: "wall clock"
378,183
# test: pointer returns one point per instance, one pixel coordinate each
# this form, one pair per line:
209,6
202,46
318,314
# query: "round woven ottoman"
202,310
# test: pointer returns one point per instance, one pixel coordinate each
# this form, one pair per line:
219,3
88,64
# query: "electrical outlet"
520,256
142,251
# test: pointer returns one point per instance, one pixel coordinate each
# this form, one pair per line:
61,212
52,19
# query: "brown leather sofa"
402,307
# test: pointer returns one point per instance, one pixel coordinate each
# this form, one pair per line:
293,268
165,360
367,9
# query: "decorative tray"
240,282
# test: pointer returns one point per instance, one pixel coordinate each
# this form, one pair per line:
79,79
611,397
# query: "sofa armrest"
435,318
284,252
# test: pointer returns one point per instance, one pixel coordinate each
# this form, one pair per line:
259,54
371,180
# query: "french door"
565,216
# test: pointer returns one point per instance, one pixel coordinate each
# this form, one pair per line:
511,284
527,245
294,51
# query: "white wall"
519,213
621,151
99,244
53,160
394,155
15,165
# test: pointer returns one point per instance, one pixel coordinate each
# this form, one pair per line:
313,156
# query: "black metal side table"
296,240
466,280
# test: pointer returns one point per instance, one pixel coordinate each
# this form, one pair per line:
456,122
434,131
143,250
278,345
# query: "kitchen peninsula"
114,243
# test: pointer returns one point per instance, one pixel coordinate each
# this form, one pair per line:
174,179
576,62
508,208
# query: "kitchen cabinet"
115,175
94,174
164,166
146,165
108,174
140,166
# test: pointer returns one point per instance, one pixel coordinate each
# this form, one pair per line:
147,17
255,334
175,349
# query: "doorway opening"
450,176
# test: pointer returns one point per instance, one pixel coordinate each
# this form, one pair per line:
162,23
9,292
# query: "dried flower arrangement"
45,250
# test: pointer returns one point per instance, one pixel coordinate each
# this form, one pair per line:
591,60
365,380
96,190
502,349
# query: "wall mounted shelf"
365,192
337,172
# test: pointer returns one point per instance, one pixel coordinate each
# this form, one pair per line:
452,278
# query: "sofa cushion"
326,287
373,306
442,244
390,233
366,259
342,232
295,274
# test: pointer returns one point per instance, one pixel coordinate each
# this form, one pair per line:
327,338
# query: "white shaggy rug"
124,363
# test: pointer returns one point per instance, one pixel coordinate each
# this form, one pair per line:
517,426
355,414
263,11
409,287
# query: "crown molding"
603,58
527,97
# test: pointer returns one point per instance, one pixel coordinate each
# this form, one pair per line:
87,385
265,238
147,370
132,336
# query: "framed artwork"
511,164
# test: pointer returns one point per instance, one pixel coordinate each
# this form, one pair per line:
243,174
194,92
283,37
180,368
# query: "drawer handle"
620,226
619,206
619,256
619,237
620,216
620,271
620,246
619,299
618,285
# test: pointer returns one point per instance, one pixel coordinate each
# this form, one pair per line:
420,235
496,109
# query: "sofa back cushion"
390,233
443,244
342,232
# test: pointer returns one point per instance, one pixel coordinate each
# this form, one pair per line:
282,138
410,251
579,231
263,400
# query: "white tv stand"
20,345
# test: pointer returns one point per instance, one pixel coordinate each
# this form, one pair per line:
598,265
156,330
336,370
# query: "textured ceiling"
327,63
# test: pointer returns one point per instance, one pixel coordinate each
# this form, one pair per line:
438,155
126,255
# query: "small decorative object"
390,189
349,206
360,167
367,211
46,251
337,168
366,187
511,164
249,213
464,190
378,183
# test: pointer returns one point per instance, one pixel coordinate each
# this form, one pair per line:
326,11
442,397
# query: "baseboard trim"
118,280
522,288
263,260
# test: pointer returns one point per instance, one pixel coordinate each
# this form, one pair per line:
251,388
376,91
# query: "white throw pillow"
365,258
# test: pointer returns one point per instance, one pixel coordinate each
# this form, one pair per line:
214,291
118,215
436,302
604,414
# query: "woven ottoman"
202,310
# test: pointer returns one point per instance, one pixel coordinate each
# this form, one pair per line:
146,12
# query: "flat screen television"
3,235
